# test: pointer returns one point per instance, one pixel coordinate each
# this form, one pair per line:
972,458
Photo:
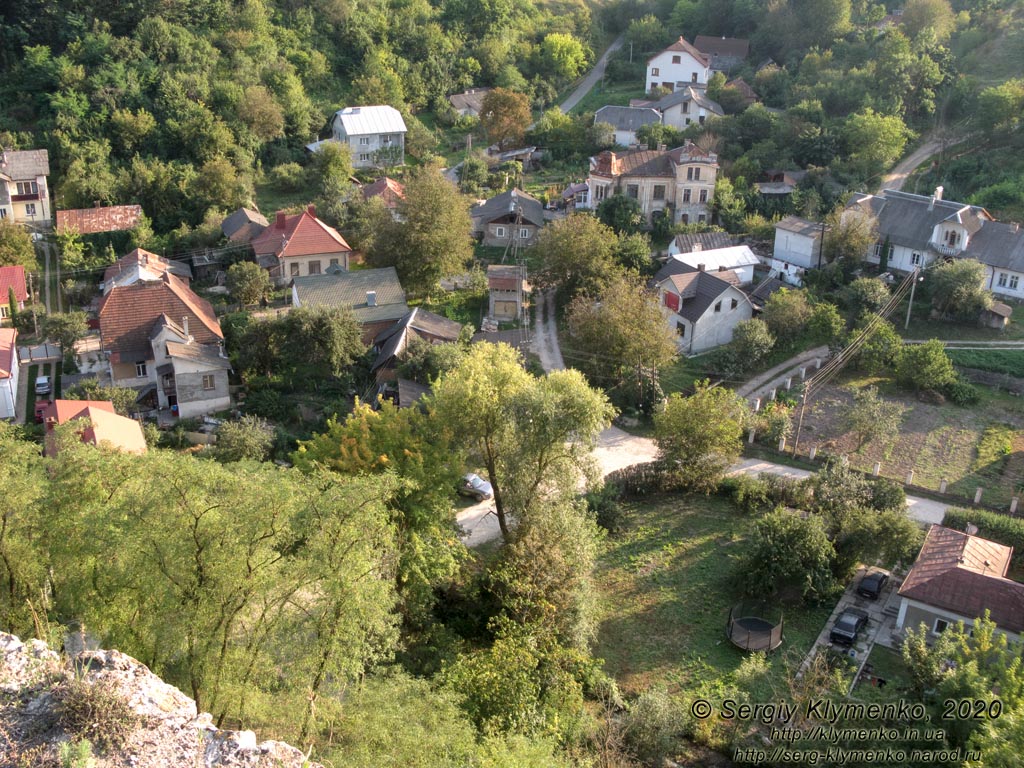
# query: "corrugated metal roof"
731,257
360,121
348,290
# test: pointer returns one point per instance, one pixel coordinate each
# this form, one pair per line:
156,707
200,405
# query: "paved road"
588,82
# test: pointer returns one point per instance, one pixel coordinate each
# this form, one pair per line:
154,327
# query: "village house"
576,196
702,307
677,183
678,66
375,135
103,427
161,338
686,106
748,95
390,192
798,247
91,221
725,53
142,266
469,103
508,291
12,279
922,230
244,225
738,259
957,577
374,296
10,371
392,345
685,242
626,121
24,193
512,217
299,245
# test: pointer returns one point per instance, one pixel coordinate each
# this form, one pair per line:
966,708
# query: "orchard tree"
66,329
849,235
881,349
925,366
576,254
871,417
958,289
248,282
16,246
751,342
700,436
786,314
533,435
865,294
249,437
789,552
504,116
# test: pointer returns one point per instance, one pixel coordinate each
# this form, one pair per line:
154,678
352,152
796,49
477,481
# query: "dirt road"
897,177
592,77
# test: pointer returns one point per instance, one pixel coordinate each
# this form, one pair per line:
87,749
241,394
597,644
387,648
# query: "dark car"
848,626
872,584
477,487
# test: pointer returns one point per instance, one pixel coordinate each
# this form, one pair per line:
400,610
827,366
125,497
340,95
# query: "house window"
314,267
915,259
659,192
677,59
140,369
703,195
693,78
701,119
524,233
701,218
718,306
499,231
1001,282
689,174
696,174
364,158
209,382
386,139
633,191
3,213
3,311
686,195
28,188
685,108
364,140
653,86
941,625
655,72
30,209
600,192
681,330
332,263
293,269
671,301
1013,282
735,304
688,121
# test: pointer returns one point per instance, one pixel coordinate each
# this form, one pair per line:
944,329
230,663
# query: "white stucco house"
685,106
702,307
10,370
375,135
797,248
738,259
626,121
678,66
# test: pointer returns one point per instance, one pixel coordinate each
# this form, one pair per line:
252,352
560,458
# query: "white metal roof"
359,121
736,256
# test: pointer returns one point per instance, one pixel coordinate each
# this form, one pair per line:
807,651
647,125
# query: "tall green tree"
925,366
16,246
248,282
958,289
576,254
504,116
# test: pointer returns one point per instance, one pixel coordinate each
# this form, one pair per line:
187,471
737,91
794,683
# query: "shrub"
653,725
887,494
750,494
94,711
962,392
991,525
289,177
603,503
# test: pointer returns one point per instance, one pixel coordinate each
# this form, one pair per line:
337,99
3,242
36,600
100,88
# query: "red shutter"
672,301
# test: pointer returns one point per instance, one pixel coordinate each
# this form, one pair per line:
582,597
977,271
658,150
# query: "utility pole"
910,305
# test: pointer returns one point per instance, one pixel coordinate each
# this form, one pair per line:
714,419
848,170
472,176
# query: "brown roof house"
726,53
162,339
12,278
24,193
142,266
678,66
375,296
104,427
702,307
244,225
957,577
391,192
513,217
299,245
90,221
678,183
509,291
468,103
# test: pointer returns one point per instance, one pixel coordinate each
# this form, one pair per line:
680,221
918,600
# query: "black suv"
872,584
848,626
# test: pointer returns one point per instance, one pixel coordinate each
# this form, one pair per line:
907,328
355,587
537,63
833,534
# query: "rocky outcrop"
130,717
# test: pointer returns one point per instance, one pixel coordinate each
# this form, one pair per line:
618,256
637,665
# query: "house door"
172,400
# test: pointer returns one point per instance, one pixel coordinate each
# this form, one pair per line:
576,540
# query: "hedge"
991,525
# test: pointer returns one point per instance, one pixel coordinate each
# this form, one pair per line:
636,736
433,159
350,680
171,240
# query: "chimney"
722,268
279,221
701,267
697,247
311,210
938,192
371,298
937,195
184,327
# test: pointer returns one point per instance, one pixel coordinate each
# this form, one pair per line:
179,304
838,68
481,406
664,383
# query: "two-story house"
686,106
12,279
678,66
24,193
677,183
300,244
725,53
626,121
798,247
161,338
375,135
702,307
511,217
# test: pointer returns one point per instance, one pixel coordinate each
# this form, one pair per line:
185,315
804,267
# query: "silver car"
477,487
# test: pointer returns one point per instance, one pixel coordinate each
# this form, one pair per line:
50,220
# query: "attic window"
676,59
735,304
718,306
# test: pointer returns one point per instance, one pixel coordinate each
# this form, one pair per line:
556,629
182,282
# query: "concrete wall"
913,614
798,250
713,329
491,234
303,263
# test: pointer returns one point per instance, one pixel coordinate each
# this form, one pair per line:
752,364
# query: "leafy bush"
887,494
603,503
962,392
991,525
653,725
269,404
289,177
750,494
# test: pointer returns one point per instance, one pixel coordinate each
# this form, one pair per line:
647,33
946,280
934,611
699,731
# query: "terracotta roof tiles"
111,218
301,234
13,277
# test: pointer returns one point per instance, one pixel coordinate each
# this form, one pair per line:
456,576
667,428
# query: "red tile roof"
105,426
682,46
13,277
389,189
301,234
966,575
8,351
87,221
128,312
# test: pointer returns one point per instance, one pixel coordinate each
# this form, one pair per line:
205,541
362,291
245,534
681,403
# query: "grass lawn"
270,199
923,328
1009,361
666,586
679,377
885,664
617,94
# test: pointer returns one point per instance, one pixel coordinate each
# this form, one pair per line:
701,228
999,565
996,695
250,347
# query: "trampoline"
748,630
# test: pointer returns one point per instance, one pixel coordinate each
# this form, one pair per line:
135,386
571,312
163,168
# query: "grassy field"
1008,361
617,94
666,585
997,54
923,328
981,445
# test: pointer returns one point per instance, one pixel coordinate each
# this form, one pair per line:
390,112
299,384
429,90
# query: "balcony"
25,198
944,249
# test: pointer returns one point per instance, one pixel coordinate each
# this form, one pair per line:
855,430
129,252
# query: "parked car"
872,584
848,626
43,385
477,487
